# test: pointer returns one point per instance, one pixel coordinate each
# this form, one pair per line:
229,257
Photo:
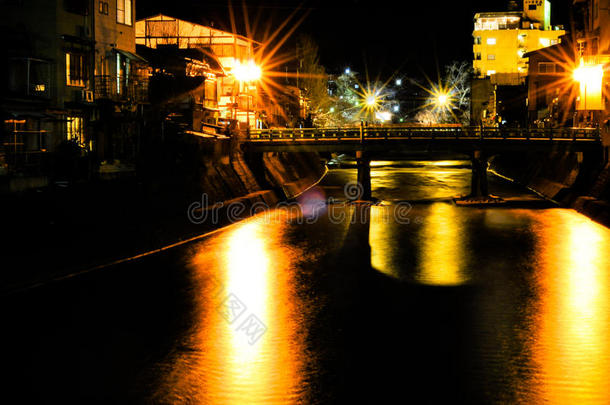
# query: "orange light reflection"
221,364
442,257
572,346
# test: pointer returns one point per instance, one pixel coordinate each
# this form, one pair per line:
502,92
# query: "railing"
108,87
412,132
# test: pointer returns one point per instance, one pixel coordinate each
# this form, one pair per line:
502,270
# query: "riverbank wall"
230,174
572,179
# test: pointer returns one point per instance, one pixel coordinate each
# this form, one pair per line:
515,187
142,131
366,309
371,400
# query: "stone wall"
577,180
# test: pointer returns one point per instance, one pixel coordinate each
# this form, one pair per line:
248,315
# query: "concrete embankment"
576,180
232,175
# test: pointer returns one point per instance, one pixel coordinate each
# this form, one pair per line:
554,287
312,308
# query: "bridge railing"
411,132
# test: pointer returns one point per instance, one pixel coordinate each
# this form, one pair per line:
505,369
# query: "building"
121,83
184,86
237,99
47,81
551,90
64,59
502,40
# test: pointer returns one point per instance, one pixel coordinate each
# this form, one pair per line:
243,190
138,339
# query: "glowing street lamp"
247,73
590,79
371,101
442,100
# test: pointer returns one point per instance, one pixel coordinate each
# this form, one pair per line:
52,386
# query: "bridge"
478,142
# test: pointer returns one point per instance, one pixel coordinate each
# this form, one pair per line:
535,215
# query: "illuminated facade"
502,39
237,99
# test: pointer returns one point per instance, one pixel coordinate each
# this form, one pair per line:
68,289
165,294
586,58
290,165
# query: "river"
411,300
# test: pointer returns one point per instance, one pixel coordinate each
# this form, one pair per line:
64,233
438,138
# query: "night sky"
384,37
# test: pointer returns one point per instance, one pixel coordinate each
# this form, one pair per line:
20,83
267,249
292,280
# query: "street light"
247,73
442,100
590,79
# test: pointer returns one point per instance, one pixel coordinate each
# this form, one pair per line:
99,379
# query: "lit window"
74,130
75,69
103,7
491,57
491,41
123,11
545,42
491,72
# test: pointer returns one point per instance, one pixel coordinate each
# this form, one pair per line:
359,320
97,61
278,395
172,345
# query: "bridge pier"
364,176
478,182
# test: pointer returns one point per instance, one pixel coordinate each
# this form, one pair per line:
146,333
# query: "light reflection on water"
442,256
540,317
222,365
571,343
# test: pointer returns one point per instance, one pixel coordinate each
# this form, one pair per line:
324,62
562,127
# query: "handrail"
440,132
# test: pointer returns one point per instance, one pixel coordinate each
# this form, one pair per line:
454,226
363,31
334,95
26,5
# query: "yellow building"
501,40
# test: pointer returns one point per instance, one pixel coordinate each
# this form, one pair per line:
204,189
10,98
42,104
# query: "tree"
456,87
313,79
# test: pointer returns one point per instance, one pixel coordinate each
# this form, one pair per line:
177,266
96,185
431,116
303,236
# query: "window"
210,92
74,130
477,40
75,69
545,42
122,73
491,56
491,41
103,7
123,11
477,56
532,7
491,72
547,67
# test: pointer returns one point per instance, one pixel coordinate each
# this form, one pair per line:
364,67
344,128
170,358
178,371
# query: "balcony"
118,89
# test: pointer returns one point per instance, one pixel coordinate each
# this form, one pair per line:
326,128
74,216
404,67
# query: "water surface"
431,304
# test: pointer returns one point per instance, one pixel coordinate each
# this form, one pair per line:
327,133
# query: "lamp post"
589,77
247,73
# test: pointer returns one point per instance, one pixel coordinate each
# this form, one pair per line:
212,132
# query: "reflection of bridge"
479,143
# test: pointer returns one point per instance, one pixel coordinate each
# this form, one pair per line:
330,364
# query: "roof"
131,56
558,51
496,14
163,17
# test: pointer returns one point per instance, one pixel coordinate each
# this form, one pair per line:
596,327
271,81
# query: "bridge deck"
441,138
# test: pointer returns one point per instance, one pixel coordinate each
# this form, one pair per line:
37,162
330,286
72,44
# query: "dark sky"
383,36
